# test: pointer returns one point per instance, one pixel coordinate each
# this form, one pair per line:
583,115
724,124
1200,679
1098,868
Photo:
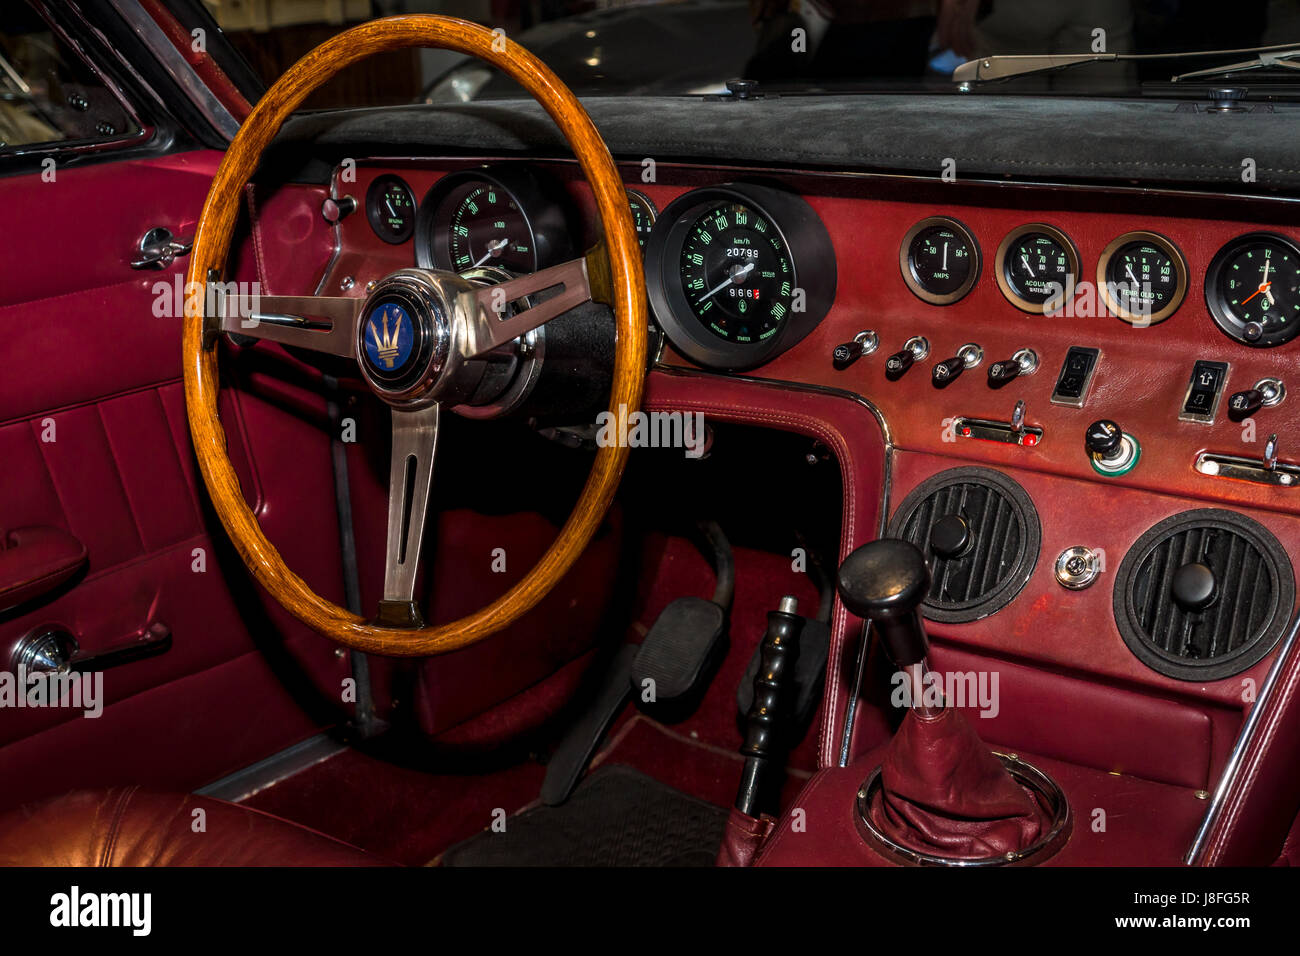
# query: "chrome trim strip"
254,778
885,489
179,68
1230,769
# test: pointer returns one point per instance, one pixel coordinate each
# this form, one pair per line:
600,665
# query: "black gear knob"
886,581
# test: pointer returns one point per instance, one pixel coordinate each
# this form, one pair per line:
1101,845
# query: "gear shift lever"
939,795
885,581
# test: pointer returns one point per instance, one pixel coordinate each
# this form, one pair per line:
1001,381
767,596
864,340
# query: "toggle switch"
914,350
944,373
1024,362
864,343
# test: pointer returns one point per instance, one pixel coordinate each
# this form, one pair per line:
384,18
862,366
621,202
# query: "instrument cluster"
1252,285
735,274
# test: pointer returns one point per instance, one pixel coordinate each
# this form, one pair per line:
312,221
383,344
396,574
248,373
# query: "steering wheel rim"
625,293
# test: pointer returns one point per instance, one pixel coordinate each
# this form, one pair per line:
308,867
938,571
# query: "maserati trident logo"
389,337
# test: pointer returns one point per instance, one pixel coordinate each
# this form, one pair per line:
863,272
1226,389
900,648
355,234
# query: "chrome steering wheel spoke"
319,323
415,442
489,322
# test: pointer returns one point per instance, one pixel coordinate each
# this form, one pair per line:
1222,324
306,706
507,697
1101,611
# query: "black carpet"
616,817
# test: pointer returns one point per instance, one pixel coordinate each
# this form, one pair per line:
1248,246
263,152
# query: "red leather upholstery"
126,826
36,560
743,838
944,793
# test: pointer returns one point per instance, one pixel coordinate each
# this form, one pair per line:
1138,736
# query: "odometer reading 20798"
737,273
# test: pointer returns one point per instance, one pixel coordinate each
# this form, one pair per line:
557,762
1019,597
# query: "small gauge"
390,207
643,215
736,273
1142,278
940,260
1037,266
1253,289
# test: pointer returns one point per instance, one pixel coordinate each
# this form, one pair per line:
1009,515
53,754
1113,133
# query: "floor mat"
616,817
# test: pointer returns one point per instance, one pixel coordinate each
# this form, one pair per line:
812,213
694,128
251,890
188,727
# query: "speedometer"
736,273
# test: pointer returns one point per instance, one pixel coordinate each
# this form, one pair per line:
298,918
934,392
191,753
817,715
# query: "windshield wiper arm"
987,69
1282,60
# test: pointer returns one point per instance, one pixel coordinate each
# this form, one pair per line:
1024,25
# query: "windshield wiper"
1283,60
987,69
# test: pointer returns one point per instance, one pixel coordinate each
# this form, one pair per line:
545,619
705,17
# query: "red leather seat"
126,826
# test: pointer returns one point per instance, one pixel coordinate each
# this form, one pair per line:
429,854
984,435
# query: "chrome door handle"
53,649
159,248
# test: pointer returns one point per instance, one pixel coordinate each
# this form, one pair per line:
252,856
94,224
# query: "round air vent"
980,531
1204,595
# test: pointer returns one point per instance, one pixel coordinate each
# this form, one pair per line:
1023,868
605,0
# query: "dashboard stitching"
1246,781
844,455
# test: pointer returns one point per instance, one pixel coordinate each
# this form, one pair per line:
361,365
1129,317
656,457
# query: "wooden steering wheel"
411,336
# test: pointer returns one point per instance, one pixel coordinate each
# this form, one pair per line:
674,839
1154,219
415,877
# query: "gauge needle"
1263,287
1129,270
1025,260
736,277
944,266
389,203
494,248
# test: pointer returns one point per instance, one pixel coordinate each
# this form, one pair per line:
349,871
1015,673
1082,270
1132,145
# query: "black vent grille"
1255,587
1002,549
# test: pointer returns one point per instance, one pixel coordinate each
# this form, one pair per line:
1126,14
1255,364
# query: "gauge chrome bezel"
377,188
650,207
1230,324
908,266
1000,266
540,206
1165,245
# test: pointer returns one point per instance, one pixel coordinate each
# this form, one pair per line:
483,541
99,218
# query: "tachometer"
1037,266
737,274
490,218
1253,289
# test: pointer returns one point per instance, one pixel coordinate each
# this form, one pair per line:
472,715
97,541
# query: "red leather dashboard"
1079,693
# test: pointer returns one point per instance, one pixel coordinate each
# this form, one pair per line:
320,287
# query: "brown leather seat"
126,826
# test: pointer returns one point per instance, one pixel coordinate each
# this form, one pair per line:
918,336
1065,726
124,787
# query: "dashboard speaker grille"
1254,591
1001,547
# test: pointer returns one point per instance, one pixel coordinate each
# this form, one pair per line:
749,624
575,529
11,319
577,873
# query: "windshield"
662,47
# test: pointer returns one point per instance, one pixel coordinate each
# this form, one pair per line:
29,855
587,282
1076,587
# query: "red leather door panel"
93,442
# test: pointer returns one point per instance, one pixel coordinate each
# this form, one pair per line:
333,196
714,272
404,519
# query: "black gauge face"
643,215
1142,278
1253,289
1037,267
941,261
484,226
737,274
390,207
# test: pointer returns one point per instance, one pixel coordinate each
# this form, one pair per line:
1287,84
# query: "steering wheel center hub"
405,337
